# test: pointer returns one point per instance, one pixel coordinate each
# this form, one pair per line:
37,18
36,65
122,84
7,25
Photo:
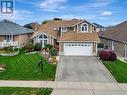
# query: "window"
84,27
43,39
8,38
63,29
94,29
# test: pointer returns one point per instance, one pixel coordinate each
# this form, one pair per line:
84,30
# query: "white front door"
78,49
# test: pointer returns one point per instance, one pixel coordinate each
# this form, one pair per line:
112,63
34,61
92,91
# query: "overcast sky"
104,12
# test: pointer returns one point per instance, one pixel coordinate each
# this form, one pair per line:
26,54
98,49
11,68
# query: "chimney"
36,26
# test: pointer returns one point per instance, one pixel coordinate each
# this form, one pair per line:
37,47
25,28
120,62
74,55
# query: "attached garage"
78,49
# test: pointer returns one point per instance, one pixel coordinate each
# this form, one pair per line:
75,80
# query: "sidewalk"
66,85
72,88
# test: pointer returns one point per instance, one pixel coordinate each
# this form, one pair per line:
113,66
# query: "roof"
30,25
79,37
98,25
9,28
54,24
116,33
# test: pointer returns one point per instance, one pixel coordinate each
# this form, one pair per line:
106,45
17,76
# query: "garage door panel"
77,49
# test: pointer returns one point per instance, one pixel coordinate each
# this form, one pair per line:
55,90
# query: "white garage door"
78,49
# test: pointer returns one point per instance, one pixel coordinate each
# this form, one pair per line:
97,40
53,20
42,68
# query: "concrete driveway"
82,69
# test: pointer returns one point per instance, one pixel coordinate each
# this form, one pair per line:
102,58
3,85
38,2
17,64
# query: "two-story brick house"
75,37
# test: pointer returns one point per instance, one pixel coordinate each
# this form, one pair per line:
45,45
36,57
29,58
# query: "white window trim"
82,26
112,45
9,38
63,30
43,39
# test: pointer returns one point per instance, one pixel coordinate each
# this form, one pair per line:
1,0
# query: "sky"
103,12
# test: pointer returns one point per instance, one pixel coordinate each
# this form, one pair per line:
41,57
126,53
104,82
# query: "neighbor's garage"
78,49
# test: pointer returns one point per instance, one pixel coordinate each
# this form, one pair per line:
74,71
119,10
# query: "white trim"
83,21
44,34
43,39
112,45
79,41
63,30
84,27
96,47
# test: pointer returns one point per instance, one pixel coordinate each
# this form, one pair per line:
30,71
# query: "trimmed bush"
107,55
53,52
29,47
113,56
104,55
8,49
100,45
37,47
48,46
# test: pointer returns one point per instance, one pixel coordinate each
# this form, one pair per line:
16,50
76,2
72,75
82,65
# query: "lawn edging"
107,70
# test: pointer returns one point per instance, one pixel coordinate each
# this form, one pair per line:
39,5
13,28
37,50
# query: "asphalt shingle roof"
117,33
9,28
73,36
49,27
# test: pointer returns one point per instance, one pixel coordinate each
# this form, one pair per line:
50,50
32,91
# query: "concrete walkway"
65,85
72,88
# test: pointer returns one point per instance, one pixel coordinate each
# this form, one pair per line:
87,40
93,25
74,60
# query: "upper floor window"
94,29
63,29
84,27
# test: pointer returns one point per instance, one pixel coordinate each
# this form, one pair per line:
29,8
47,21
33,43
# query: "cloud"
106,13
52,5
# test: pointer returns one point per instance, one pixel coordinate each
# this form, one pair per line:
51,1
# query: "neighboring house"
115,38
74,37
30,25
12,34
99,28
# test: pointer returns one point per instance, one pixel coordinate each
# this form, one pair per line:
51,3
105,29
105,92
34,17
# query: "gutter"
79,41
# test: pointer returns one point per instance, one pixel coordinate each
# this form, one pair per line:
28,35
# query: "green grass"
118,70
24,67
25,91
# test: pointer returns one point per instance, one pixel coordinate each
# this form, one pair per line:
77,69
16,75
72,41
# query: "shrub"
107,55
37,47
104,55
53,52
29,47
56,47
113,56
8,49
48,46
100,45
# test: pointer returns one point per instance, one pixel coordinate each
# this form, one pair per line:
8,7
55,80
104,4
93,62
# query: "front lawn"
24,67
118,70
24,91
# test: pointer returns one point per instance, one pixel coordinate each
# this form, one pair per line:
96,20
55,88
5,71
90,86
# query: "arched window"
43,39
84,27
